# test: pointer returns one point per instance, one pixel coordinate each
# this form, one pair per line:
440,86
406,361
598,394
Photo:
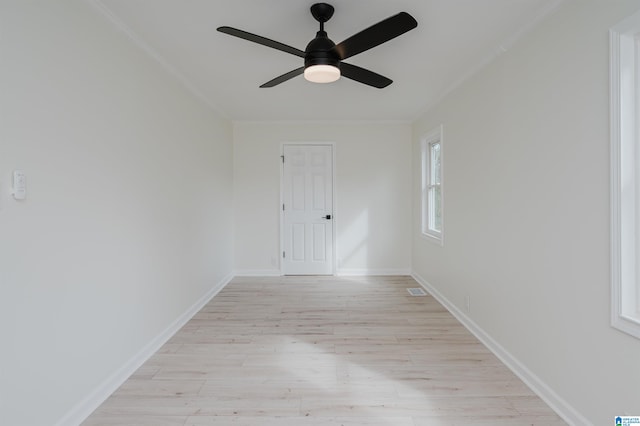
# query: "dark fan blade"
376,34
364,76
283,77
261,40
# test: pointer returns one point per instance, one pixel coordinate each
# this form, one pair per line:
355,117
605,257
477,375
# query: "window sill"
433,238
627,325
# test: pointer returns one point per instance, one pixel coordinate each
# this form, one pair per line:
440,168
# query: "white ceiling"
454,38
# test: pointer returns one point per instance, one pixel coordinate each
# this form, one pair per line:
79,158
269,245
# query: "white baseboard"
548,395
342,272
258,273
88,405
353,272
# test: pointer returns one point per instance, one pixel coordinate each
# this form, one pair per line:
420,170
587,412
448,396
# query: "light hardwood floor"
300,351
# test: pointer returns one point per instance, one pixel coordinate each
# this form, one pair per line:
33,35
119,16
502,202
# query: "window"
432,185
625,175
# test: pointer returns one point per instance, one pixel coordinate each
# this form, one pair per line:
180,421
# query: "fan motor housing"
320,51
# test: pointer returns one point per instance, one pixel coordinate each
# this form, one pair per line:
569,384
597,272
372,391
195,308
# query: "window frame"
429,185
625,174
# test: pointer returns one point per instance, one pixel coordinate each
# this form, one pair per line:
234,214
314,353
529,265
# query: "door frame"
333,201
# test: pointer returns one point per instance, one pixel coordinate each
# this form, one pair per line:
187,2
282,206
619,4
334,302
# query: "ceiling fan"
323,58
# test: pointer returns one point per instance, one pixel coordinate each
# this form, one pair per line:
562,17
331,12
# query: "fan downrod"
322,12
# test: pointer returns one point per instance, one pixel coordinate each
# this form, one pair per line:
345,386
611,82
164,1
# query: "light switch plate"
19,185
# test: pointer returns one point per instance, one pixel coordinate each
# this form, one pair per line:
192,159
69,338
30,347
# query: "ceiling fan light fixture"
323,58
322,73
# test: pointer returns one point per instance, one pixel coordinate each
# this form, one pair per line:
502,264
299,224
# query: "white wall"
526,181
128,217
372,199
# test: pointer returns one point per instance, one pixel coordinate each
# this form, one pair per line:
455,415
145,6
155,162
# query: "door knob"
327,217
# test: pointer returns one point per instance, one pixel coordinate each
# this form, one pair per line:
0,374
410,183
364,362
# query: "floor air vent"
416,291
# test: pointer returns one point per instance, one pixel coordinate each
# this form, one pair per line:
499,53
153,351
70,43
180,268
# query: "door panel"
297,241
319,242
298,189
308,199
319,193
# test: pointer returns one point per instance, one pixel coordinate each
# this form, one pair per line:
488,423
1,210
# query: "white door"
307,194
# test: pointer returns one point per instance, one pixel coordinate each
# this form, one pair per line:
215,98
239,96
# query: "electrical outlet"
467,303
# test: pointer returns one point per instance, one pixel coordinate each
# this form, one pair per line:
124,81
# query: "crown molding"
502,48
148,50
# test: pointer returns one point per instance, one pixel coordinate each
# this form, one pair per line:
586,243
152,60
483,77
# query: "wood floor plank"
458,420
361,405
310,351
124,420
299,421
